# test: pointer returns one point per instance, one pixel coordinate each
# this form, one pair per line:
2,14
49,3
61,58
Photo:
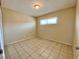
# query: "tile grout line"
67,52
25,51
59,52
35,46
36,50
44,50
49,54
8,53
17,51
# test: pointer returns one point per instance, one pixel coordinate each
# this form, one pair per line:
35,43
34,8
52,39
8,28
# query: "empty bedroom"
39,29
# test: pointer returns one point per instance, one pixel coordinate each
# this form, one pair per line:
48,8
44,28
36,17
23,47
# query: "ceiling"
25,6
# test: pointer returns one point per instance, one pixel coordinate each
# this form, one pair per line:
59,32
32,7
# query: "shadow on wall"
17,26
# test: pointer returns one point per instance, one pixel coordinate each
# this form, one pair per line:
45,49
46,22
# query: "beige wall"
17,26
77,23
63,31
76,40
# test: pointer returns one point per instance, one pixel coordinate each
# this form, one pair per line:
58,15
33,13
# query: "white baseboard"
19,41
38,38
58,42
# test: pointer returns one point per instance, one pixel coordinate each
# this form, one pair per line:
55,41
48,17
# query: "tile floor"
38,49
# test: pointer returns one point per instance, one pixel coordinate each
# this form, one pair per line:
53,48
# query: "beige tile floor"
38,49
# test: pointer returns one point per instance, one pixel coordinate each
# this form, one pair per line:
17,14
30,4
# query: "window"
48,21
43,22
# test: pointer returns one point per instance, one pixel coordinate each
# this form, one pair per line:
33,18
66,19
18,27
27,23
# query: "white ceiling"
25,6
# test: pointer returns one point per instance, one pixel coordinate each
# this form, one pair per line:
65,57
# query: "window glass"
43,22
49,21
52,20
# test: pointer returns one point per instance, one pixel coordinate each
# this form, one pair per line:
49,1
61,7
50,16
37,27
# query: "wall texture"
77,23
17,26
61,32
76,40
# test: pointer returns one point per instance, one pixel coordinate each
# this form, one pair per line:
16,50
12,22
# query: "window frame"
48,20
